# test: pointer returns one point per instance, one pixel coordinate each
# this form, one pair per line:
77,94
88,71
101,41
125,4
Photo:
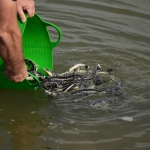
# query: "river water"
113,33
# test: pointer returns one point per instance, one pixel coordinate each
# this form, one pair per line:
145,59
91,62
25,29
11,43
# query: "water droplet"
73,49
57,148
75,101
51,124
32,112
75,129
72,122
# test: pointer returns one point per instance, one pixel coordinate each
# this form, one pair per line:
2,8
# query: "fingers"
17,78
21,15
27,6
30,11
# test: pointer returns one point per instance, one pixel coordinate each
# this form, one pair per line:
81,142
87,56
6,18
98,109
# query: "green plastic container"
37,46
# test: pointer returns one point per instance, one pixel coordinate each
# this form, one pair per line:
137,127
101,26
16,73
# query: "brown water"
113,33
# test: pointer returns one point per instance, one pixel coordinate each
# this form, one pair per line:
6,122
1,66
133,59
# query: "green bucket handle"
35,79
22,28
59,33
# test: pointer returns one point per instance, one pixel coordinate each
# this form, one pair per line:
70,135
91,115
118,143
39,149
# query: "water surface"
115,34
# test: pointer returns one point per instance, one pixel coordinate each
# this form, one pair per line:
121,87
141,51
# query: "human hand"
23,74
25,5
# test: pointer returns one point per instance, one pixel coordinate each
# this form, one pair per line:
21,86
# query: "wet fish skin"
100,102
98,80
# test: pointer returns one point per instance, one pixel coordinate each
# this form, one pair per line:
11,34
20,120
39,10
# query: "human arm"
11,43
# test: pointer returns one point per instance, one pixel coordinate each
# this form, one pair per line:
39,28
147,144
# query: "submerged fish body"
100,103
98,80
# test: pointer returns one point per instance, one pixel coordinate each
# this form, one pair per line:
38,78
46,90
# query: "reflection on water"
114,34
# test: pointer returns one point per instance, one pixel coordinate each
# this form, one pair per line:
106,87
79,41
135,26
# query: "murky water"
115,34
